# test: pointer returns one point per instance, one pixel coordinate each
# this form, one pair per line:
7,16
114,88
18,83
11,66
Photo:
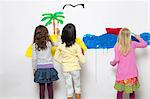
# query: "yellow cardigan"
69,57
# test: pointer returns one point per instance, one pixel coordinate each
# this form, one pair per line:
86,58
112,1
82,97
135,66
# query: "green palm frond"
49,17
56,16
49,22
59,20
58,13
60,16
47,14
45,18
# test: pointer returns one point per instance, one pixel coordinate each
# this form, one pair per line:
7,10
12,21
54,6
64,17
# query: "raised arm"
57,55
58,42
80,55
140,44
116,59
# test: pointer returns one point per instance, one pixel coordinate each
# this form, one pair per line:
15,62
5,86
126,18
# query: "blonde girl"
127,71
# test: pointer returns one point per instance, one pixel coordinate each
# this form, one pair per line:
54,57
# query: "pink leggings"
120,95
49,88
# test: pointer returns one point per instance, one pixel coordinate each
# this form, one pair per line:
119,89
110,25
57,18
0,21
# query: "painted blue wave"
107,41
104,41
146,37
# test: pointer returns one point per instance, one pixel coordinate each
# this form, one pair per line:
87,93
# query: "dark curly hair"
41,37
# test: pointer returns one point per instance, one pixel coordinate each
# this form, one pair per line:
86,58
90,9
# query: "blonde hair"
124,40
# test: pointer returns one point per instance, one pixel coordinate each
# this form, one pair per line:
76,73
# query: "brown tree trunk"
54,25
57,29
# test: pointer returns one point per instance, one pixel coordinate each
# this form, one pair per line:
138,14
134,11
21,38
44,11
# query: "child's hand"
137,36
112,63
57,31
82,51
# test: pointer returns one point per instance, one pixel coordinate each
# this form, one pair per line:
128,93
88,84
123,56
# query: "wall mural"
107,41
90,41
51,18
55,19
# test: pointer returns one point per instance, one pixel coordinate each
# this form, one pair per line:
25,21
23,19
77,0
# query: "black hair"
68,34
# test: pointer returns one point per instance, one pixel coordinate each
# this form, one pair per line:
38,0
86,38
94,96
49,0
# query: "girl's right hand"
112,63
82,51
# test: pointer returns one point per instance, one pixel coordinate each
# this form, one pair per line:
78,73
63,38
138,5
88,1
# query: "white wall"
18,20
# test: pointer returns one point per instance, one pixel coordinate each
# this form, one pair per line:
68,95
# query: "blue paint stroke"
104,41
107,41
146,37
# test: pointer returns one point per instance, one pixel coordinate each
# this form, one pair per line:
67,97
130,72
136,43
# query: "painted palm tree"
53,18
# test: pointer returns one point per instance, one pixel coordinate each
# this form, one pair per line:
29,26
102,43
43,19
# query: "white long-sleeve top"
41,57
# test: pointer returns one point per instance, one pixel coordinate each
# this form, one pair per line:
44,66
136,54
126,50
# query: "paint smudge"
107,41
